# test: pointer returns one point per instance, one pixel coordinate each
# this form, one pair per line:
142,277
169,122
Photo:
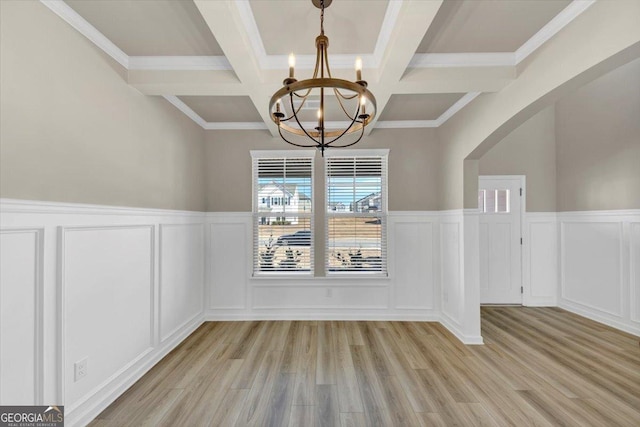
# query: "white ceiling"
220,61
150,28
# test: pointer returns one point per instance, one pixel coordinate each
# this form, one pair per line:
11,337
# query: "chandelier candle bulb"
292,64
358,68
363,104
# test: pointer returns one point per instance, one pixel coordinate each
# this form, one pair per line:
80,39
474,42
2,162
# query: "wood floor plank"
302,416
325,368
199,404
538,367
278,411
352,419
369,383
347,381
327,411
305,375
257,402
229,411
419,396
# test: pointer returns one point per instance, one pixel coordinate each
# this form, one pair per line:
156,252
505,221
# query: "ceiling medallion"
351,100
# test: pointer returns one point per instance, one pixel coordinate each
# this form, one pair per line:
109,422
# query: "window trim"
255,212
384,214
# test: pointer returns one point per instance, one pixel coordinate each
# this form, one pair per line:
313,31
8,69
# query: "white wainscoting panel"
181,276
86,279
414,272
540,259
591,265
229,261
326,297
598,266
634,270
107,287
410,292
20,316
451,265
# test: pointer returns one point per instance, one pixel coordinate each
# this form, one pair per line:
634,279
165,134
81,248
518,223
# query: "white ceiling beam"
411,24
191,82
454,80
226,24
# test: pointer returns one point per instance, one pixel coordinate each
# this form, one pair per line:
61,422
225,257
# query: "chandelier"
352,101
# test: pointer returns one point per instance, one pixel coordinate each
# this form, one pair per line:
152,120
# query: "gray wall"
72,130
598,143
413,167
529,150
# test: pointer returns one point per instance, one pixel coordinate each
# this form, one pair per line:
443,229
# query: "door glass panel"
481,205
490,201
503,201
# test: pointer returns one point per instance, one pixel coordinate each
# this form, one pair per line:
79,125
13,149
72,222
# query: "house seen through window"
282,213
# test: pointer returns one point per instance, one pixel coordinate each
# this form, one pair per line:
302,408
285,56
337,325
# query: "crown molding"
177,102
561,20
446,60
180,63
406,124
72,18
308,62
235,126
250,25
384,36
457,106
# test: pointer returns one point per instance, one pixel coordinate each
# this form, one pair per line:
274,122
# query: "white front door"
500,203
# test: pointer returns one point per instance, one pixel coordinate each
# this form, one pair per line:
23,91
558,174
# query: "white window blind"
356,203
282,213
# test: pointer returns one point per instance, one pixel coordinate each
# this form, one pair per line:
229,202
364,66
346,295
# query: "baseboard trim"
421,316
540,302
94,405
454,328
624,325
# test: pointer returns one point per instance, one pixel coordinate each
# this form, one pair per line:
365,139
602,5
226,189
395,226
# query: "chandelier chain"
322,17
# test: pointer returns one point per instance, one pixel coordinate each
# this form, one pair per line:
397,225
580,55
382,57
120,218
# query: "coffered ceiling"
220,61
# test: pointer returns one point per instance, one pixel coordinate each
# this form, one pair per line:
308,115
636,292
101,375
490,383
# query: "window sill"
309,280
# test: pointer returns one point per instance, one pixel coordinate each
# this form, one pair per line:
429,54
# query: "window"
356,211
494,201
282,211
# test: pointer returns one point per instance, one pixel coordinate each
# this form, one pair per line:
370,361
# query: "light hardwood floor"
540,366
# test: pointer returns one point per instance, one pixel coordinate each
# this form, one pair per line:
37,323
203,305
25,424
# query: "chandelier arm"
326,60
344,96
335,89
295,116
315,69
294,111
293,143
352,143
344,110
353,120
303,96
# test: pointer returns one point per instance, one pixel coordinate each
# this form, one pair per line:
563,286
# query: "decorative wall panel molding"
87,280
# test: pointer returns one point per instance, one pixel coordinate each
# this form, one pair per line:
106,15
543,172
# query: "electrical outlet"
80,369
